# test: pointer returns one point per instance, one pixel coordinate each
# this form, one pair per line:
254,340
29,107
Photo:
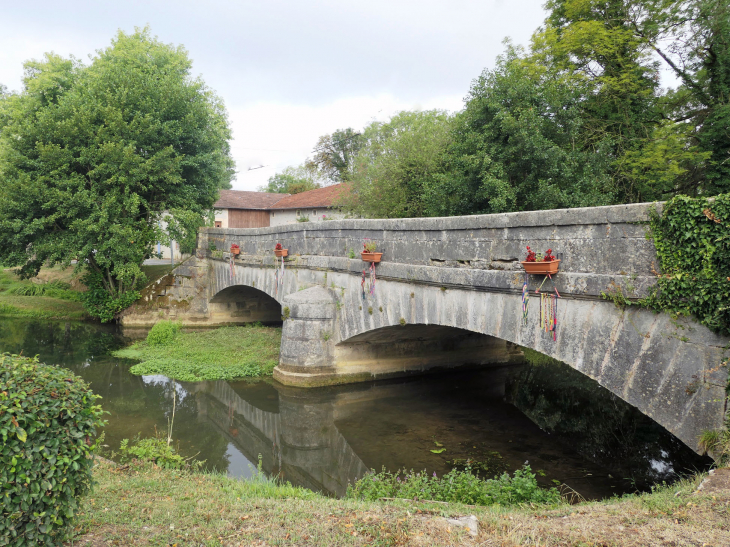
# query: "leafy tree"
292,180
514,145
333,154
394,171
91,157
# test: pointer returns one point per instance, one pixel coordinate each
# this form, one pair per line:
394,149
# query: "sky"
290,71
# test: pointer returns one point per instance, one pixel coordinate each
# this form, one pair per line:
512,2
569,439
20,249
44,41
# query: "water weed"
221,354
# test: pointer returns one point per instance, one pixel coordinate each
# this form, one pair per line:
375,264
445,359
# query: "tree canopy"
577,119
91,156
292,180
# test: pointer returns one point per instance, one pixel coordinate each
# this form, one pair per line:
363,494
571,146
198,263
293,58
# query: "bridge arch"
339,337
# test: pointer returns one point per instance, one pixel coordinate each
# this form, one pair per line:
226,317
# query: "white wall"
289,216
221,215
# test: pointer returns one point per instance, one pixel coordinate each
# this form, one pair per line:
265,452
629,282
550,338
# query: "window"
314,212
299,213
218,224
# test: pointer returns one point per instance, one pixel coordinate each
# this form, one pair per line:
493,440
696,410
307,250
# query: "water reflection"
570,429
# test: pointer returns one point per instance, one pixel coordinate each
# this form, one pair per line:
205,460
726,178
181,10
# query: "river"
569,429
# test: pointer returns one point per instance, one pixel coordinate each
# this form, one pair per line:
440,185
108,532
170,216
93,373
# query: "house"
240,209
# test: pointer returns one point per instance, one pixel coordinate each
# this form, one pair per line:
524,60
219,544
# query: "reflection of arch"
300,441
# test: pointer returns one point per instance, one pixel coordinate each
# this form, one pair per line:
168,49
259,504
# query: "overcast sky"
290,71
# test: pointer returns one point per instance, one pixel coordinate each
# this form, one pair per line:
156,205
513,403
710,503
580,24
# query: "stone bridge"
449,293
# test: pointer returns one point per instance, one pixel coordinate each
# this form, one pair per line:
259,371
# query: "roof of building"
239,199
319,197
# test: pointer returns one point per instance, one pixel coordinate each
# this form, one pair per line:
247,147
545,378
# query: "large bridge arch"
649,360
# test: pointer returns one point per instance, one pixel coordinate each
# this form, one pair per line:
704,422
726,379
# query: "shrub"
48,421
456,486
163,333
99,303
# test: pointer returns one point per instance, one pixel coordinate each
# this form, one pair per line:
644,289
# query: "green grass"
41,307
51,299
149,505
220,354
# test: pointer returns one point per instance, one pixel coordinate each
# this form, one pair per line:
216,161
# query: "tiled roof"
238,199
320,197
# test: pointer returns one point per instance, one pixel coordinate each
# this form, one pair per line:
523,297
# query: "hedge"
48,423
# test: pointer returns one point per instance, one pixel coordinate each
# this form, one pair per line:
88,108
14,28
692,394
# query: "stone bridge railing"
599,248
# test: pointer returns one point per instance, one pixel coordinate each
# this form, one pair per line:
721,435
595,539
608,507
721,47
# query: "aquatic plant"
456,486
163,333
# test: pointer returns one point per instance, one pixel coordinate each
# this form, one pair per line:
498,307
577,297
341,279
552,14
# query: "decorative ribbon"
549,309
525,300
278,275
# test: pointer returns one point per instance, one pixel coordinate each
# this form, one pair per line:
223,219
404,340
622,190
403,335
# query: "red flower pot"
541,268
371,257
281,252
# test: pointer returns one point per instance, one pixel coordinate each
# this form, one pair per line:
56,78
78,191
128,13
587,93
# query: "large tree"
292,180
91,157
333,154
396,169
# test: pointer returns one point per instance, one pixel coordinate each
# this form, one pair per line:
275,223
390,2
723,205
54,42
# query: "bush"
102,305
456,486
163,333
48,422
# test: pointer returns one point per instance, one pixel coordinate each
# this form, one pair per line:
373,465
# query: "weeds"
456,486
220,354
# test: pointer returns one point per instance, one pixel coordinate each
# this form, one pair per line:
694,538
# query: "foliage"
48,420
163,333
220,354
717,443
456,486
102,304
293,180
692,238
91,156
333,155
396,168
578,119
369,246
514,145
157,451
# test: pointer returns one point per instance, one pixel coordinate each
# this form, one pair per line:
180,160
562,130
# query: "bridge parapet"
599,247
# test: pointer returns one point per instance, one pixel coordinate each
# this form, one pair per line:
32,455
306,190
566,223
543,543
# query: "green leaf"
22,435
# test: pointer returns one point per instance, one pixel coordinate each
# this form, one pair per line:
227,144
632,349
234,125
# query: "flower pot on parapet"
541,268
371,257
281,252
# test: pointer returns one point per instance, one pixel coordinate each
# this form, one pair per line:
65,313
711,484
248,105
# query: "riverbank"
55,293
224,353
154,506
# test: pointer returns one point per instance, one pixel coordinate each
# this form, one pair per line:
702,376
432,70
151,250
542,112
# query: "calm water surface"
567,427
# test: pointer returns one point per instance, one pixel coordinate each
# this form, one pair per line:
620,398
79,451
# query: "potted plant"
235,249
543,265
368,253
280,251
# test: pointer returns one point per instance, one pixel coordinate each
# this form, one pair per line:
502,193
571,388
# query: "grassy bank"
54,294
219,354
153,506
